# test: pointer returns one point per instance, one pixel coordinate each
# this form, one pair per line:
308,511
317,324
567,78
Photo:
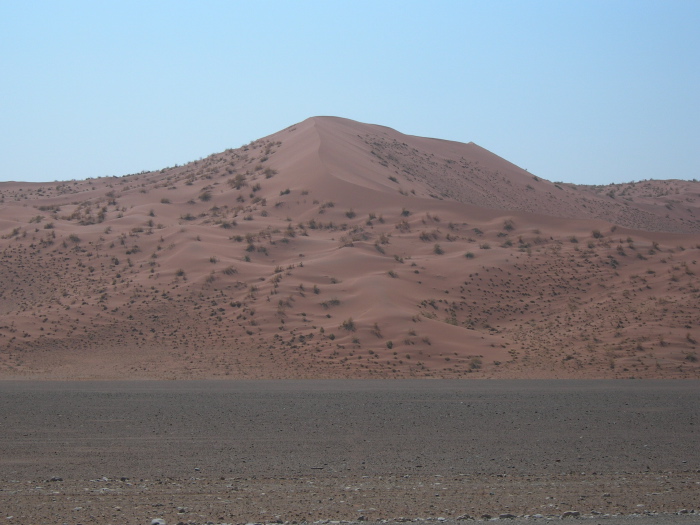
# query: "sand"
262,451
335,249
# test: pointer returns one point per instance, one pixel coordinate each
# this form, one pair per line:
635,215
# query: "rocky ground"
307,451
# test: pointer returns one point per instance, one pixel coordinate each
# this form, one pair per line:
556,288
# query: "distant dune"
339,249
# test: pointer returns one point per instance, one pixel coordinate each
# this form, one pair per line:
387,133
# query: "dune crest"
339,249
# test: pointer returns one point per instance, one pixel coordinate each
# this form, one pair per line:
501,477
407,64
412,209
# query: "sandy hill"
339,249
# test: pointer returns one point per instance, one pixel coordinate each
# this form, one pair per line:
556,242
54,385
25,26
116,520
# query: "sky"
590,92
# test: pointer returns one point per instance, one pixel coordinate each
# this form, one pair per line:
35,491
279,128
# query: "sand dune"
339,249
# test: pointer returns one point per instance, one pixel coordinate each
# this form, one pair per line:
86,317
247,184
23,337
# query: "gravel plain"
341,450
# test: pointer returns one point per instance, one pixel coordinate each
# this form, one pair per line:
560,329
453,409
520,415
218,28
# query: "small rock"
507,516
570,514
158,521
56,478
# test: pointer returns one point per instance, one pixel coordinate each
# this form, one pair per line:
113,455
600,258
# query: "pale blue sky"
578,91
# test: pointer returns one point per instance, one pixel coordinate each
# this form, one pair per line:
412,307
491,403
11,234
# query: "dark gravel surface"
309,450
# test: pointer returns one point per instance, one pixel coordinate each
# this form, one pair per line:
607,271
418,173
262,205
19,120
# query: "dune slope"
339,249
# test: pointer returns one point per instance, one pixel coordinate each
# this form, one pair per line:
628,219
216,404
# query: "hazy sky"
576,91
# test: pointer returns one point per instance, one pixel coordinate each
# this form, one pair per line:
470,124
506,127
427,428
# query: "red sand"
340,249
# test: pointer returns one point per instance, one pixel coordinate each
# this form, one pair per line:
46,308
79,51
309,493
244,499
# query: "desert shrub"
428,236
331,302
402,226
237,182
348,325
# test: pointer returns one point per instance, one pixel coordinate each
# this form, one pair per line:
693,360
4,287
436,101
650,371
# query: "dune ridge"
334,248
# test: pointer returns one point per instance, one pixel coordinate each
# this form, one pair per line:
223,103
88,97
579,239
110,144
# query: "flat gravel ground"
295,451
